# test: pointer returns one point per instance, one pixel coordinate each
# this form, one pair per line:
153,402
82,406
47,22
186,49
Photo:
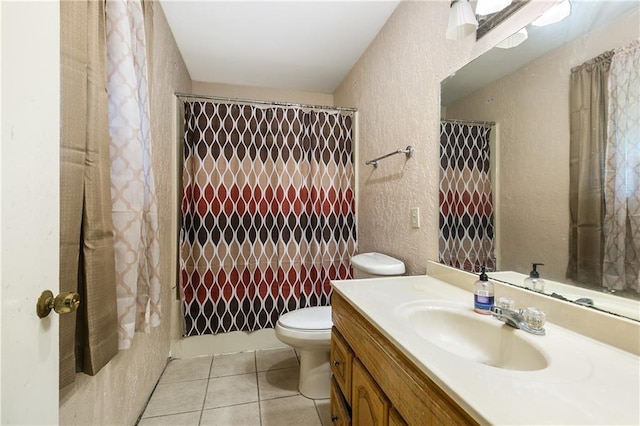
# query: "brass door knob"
63,303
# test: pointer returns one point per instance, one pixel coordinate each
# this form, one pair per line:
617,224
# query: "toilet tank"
372,265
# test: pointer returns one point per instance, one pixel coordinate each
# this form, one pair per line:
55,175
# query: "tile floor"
245,389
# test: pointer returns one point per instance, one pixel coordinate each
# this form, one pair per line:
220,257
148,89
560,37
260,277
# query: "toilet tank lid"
313,318
378,264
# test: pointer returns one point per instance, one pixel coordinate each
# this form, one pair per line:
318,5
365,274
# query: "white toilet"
308,330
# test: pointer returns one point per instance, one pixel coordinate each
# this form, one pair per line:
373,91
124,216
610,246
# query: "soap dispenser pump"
533,281
483,294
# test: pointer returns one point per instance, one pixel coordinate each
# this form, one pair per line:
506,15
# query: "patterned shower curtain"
267,213
466,200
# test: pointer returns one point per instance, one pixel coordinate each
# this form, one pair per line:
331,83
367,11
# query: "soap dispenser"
483,294
533,281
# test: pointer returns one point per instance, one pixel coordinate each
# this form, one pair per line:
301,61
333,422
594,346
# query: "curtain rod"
258,102
482,123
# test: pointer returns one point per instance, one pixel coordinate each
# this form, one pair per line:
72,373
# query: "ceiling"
586,16
297,45
312,45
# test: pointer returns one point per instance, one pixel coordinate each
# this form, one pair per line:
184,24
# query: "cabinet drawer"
369,405
340,415
341,361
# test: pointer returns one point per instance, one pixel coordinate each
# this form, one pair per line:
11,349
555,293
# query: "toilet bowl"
308,330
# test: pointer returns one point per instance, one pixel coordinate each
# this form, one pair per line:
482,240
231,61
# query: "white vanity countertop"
586,381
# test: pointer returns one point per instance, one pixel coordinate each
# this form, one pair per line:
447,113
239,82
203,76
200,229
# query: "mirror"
525,91
488,22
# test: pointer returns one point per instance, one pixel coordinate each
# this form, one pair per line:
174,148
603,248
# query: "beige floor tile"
231,364
231,390
292,411
324,411
272,359
278,383
180,370
235,415
176,397
185,419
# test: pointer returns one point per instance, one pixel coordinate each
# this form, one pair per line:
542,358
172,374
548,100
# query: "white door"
29,197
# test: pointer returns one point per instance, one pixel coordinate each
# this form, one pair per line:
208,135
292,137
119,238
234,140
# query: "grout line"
146,404
315,403
255,363
171,414
206,389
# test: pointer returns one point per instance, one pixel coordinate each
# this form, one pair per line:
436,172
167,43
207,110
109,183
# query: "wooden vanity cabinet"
376,383
369,404
341,363
395,419
340,412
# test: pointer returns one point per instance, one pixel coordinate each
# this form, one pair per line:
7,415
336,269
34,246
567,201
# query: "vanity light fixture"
487,7
462,20
556,14
514,39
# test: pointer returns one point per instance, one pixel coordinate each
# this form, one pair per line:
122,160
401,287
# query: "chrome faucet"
530,320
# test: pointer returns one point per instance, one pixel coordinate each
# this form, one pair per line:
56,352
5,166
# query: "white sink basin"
464,333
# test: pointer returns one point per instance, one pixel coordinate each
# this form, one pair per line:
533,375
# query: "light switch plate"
415,217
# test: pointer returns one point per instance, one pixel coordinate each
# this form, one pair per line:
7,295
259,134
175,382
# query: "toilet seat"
317,318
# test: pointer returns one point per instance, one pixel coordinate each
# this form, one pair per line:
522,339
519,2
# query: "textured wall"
262,93
531,107
396,87
119,392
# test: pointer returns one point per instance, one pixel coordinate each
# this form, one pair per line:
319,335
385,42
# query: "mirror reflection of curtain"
588,109
268,213
621,266
466,229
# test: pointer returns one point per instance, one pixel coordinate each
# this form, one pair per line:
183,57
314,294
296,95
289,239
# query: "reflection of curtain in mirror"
621,266
466,200
267,213
588,106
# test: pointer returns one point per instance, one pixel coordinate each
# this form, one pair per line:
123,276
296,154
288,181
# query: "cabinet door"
395,419
341,359
368,404
339,411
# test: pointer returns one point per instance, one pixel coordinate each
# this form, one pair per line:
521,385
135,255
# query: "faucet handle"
506,303
535,318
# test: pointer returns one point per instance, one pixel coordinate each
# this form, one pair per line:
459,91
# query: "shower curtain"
466,201
267,213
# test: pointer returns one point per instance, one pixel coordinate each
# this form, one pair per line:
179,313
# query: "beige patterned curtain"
134,204
621,268
88,338
588,134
